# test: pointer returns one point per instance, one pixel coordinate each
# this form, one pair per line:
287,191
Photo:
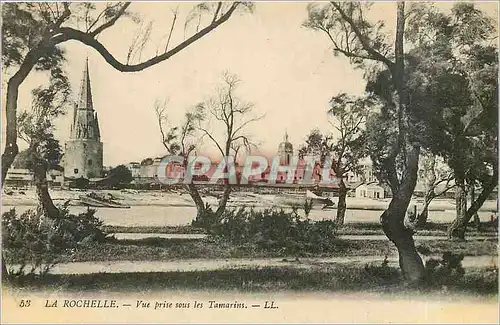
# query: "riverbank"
176,199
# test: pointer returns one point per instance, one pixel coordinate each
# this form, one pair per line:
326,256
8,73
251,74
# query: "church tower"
83,151
285,151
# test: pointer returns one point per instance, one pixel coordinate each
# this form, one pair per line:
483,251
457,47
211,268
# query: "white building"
24,177
135,169
372,191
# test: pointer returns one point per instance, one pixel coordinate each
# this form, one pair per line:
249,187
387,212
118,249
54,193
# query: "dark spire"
85,100
85,125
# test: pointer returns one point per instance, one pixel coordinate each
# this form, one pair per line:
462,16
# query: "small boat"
328,202
94,200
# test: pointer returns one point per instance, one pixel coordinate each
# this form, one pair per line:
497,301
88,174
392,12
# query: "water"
161,216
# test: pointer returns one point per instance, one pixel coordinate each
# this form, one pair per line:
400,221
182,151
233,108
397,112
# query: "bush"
83,227
445,271
33,243
206,220
382,271
275,230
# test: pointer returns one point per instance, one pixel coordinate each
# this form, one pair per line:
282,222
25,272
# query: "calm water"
174,216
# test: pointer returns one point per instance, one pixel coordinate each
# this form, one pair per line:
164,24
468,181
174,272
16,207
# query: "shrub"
445,271
308,205
83,227
383,271
275,230
33,243
205,220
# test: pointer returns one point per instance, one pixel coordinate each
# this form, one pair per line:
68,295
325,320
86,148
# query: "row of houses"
22,177
363,184
145,175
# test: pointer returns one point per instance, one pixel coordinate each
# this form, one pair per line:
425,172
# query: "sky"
288,72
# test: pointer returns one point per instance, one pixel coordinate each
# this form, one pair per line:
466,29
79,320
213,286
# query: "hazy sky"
288,71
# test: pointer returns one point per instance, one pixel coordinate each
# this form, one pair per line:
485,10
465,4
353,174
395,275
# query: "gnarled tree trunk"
200,206
424,214
393,222
342,206
458,227
475,216
45,203
223,202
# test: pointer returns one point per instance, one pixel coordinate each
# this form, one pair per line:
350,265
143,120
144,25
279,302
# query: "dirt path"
138,236
217,264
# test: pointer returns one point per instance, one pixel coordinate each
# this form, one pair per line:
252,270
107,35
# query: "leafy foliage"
120,175
446,270
33,244
336,19
382,271
276,230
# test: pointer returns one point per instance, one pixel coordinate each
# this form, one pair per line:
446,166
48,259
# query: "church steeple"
83,152
85,124
85,99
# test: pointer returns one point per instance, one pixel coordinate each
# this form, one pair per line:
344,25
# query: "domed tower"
83,151
285,151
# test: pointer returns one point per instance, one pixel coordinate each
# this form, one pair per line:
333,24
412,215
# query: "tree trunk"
45,203
342,206
424,215
393,218
485,193
200,206
458,227
476,221
223,202
393,225
11,149
5,272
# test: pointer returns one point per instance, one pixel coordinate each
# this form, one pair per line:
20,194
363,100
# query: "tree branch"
364,42
67,33
111,22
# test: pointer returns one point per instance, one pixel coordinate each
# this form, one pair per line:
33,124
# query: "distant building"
55,177
19,177
135,169
285,151
24,177
372,191
83,153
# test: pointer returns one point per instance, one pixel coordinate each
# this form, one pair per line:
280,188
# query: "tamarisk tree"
438,179
397,152
224,112
345,146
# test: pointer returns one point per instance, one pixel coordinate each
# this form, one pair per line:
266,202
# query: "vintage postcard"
249,162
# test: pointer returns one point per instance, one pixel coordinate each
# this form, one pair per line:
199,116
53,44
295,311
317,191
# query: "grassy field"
332,277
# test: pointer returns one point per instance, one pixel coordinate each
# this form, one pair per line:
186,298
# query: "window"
76,171
89,162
